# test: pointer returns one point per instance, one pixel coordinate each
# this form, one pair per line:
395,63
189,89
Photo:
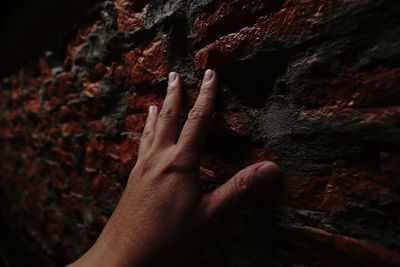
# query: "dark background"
29,28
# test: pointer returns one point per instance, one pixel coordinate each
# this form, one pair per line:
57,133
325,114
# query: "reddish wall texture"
312,84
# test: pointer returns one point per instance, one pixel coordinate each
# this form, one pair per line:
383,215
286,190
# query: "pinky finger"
148,131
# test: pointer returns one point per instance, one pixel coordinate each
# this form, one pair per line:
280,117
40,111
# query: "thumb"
229,194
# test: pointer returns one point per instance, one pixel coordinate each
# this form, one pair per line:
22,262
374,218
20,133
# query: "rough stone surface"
313,85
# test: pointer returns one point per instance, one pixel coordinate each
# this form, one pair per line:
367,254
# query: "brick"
134,122
95,153
74,48
122,155
112,155
91,89
224,17
43,125
44,70
32,102
315,246
290,21
65,86
139,102
57,175
97,127
71,128
104,186
70,205
64,151
368,89
77,181
329,193
62,90
98,72
18,127
4,96
131,14
143,64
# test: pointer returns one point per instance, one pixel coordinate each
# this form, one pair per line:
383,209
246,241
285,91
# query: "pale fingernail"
172,77
269,169
152,110
208,75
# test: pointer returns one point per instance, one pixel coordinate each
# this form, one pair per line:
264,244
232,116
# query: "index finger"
195,129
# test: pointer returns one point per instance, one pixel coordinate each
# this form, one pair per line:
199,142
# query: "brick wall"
311,84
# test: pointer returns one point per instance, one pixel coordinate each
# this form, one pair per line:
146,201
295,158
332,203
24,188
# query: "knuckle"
167,114
146,134
197,114
242,183
177,163
146,163
172,89
207,88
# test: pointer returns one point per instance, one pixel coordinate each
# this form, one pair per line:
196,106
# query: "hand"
163,218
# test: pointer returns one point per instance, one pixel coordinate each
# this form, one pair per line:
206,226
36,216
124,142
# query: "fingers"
194,131
235,189
148,131
166,131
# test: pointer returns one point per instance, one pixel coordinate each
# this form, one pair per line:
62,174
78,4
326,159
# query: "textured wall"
312,84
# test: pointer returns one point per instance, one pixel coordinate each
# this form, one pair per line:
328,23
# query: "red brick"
4,96
74,48
57,175
63,151
51,100
134,122
112,155
97,127
373,88
321,248
95,153
294,17
63,90
70,205
71,128
43,125
65,86
329,193
143,64
18,127
102,185
91,89
77,182
45,71
139,102
224,17
122,155
131,15
54,222
71,112
32,102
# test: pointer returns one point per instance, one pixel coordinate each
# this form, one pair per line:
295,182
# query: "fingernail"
152,110
172,77
269,169
208,75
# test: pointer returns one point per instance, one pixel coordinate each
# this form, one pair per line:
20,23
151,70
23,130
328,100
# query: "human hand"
163,218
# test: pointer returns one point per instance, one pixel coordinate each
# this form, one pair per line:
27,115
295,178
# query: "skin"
163,218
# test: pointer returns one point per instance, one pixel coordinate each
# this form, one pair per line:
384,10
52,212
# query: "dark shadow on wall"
28,28
13,251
